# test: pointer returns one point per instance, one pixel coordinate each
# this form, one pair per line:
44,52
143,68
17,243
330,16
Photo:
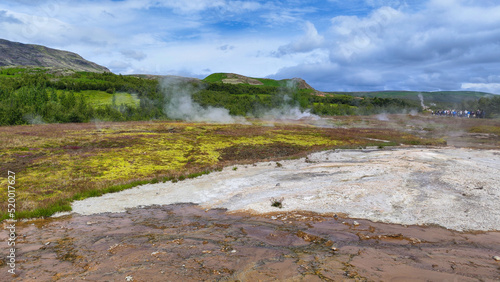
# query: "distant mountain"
19,54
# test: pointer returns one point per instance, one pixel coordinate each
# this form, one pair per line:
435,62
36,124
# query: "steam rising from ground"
289,113
421,97
180,105
383,117
33,119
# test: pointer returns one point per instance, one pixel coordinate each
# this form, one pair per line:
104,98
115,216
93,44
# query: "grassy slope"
215,77
218,77
102,98
57,163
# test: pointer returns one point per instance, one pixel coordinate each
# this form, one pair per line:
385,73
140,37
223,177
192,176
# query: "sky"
335,45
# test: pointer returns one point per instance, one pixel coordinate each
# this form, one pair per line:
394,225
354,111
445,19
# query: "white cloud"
362,45
133,54
484,87
196,6
308,42
442,46
7,18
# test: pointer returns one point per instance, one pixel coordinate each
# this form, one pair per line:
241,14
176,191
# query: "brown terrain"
182,242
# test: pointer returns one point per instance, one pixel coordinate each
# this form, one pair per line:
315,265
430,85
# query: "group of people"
464,113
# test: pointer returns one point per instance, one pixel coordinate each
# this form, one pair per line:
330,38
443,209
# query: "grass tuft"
277,203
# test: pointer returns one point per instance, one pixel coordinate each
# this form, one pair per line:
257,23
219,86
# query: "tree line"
30,96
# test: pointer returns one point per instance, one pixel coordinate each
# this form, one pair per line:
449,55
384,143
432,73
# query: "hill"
233,78
19,54
173,77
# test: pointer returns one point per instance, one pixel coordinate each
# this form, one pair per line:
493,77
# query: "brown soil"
184,243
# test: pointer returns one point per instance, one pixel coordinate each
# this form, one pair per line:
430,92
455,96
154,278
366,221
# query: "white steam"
421,97
289,113
180,104
33,119
382,117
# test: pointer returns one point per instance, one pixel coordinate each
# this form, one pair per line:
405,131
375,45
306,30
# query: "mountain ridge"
20,54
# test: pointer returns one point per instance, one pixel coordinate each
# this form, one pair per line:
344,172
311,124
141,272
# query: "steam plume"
421,97
180,105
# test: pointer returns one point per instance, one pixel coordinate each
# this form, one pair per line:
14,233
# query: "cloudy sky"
335,45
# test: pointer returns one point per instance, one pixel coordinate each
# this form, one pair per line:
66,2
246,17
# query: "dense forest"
38,95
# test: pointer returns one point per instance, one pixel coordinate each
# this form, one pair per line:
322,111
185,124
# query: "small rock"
415,240
129,278
334,249
497,258
48,243
233,251
277,184
355,223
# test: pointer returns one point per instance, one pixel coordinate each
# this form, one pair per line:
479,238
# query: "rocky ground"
183,242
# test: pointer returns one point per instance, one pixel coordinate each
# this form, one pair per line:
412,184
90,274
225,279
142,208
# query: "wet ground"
183,242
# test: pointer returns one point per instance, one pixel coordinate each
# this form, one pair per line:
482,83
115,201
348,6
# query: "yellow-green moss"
62,161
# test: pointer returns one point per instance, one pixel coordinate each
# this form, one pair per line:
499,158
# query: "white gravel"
455,188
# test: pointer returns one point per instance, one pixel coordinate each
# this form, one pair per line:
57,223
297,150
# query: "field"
58,163
317,210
